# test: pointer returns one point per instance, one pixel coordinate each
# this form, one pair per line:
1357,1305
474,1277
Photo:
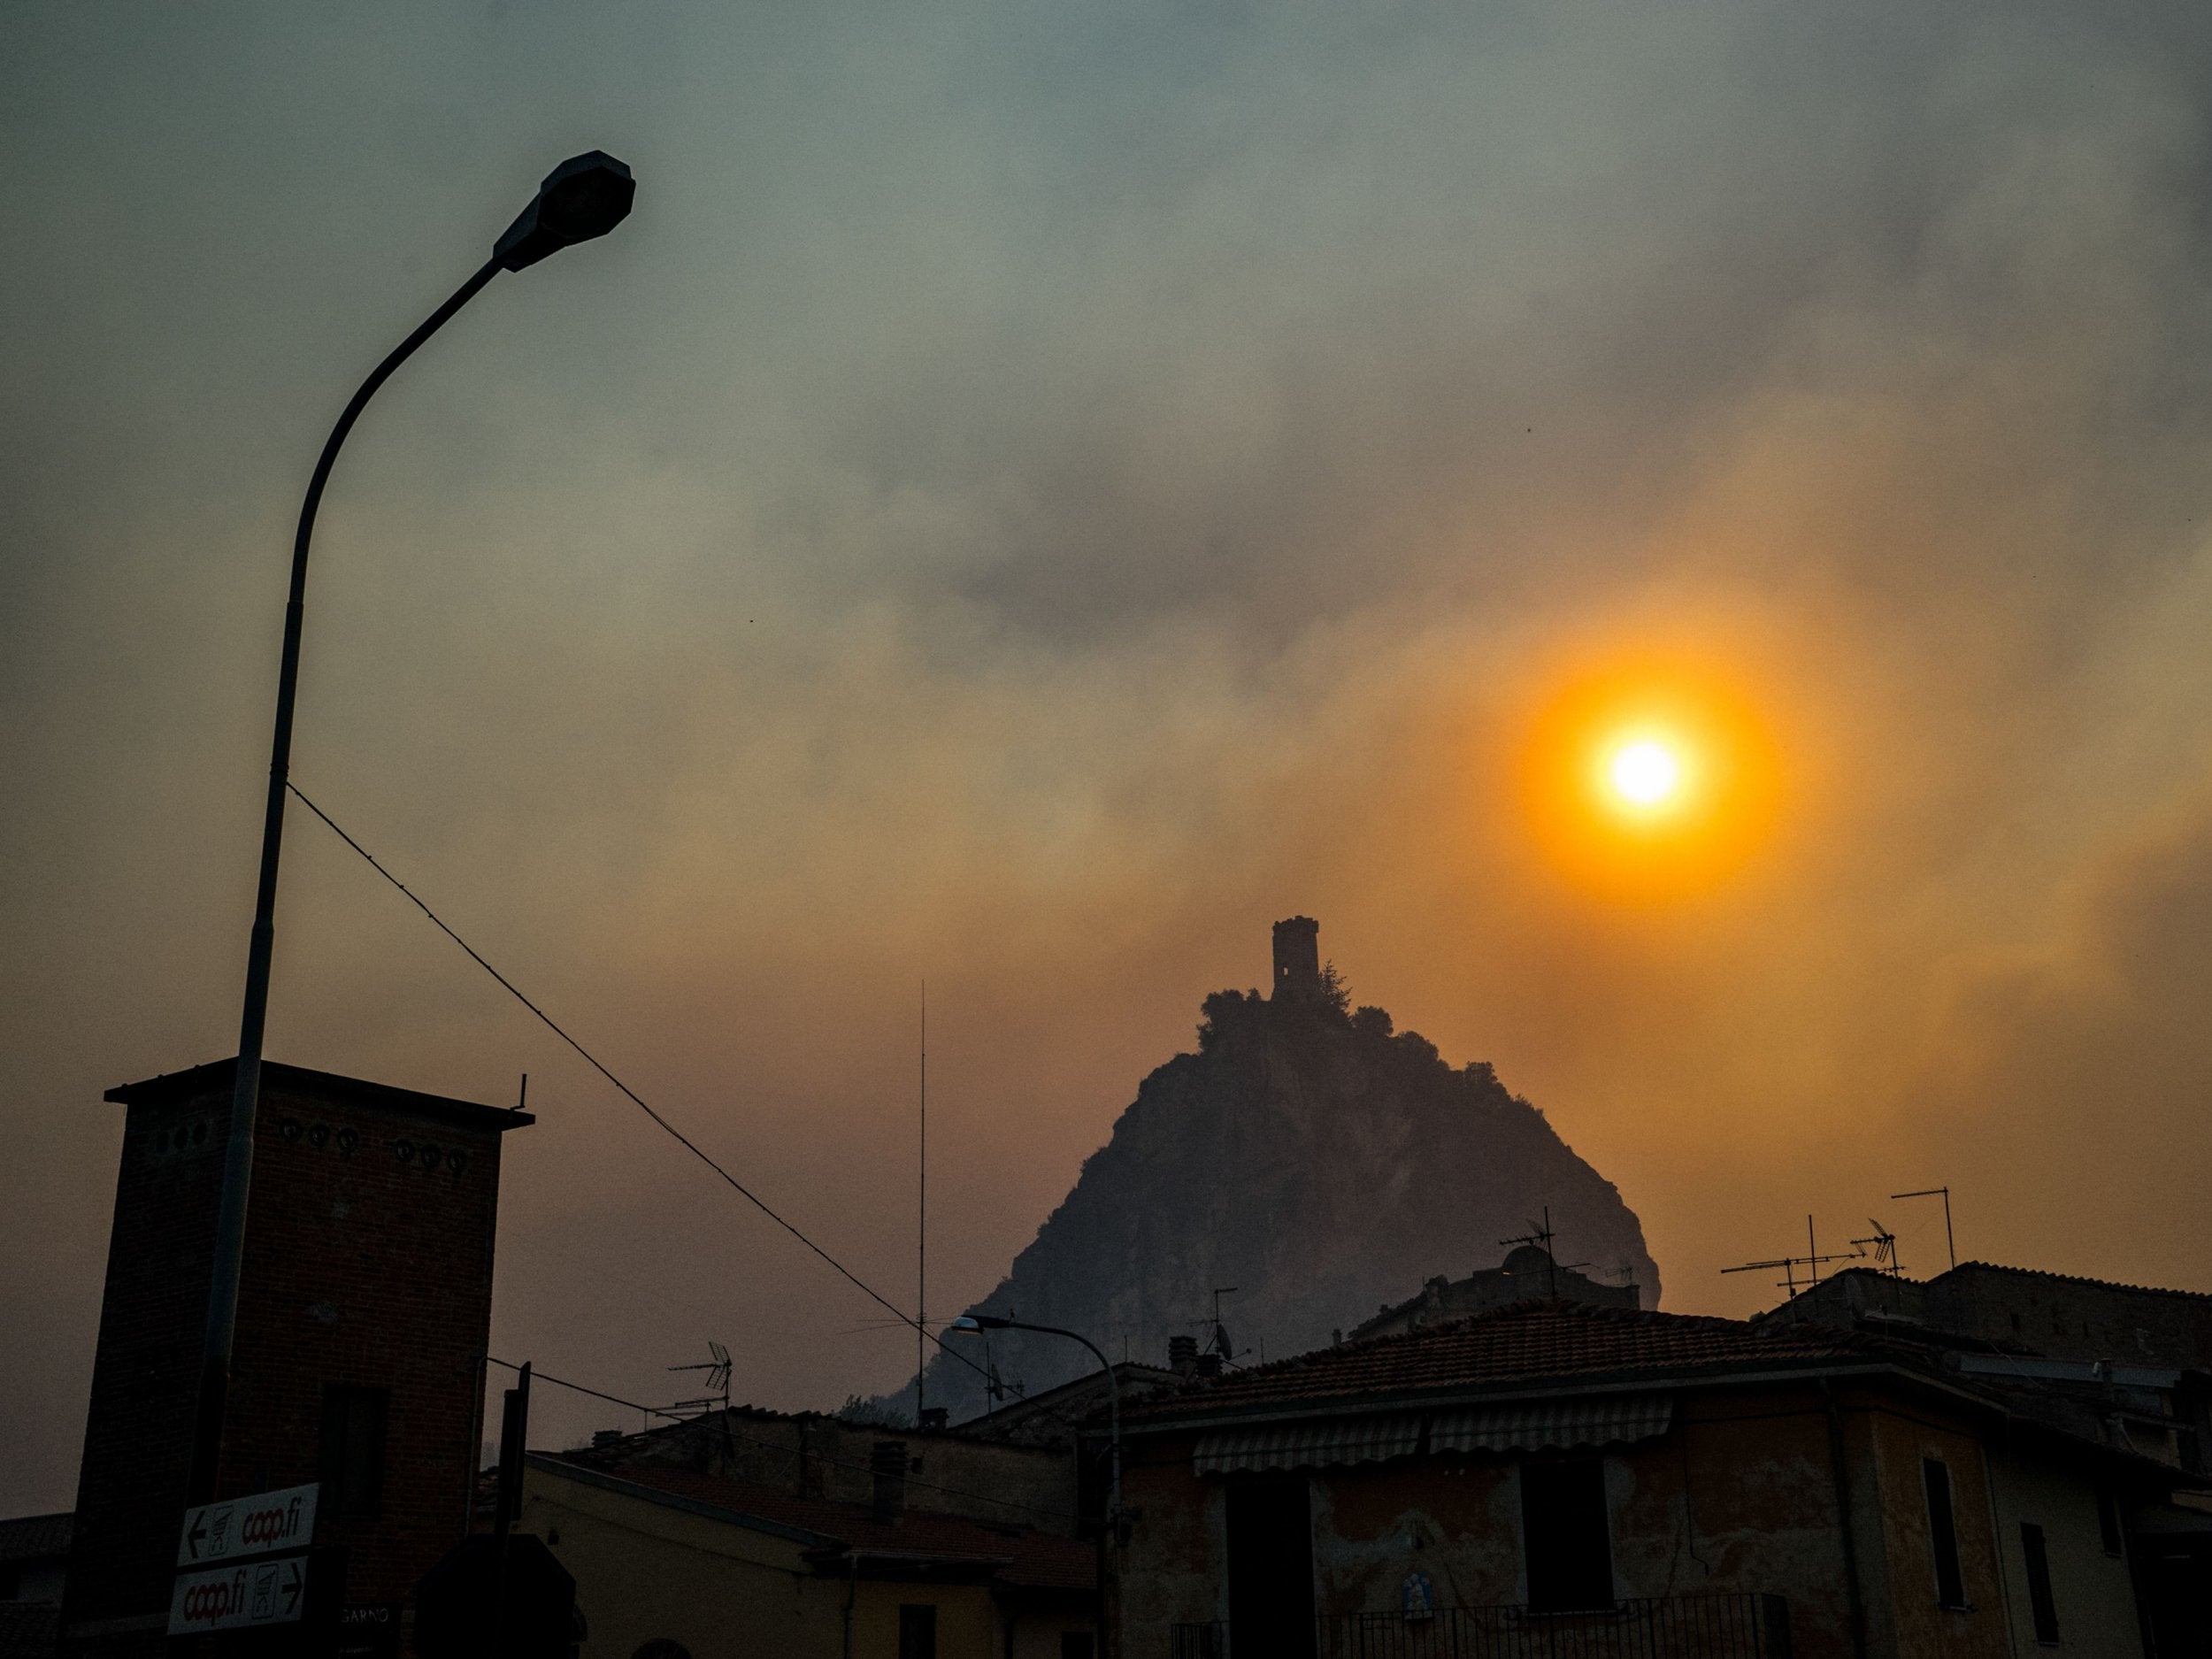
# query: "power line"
754,1439
636,1099
614,1400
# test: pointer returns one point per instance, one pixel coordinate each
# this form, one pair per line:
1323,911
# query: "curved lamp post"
968,1322
587,196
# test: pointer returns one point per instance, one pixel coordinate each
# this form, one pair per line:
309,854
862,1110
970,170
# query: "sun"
1644,773
1649,781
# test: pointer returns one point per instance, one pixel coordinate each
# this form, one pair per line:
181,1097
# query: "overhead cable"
637,1099
754,1439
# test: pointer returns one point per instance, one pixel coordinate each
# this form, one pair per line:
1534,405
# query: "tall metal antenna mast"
921,1225
1944,1193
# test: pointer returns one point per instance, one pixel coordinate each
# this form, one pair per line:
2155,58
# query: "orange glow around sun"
1650,781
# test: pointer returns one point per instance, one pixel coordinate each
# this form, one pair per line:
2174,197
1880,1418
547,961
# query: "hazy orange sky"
1032,496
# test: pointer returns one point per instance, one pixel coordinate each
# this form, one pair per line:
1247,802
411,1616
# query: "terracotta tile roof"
1022,1556
1529,1342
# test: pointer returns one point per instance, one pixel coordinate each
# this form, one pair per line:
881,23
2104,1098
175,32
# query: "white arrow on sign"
246,1596
266,1524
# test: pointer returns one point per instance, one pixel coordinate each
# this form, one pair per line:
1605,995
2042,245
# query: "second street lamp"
586,197
969,1324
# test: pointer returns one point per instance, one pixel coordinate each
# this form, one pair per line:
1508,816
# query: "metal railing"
1647,1627
1741,1627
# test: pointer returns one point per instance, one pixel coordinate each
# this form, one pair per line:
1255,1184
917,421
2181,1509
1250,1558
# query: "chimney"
1297,957
887,1462
1182,1355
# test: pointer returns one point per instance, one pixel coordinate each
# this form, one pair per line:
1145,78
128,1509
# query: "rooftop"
1529,1342
2069,1279
1015,1556
1066,1406
173,1088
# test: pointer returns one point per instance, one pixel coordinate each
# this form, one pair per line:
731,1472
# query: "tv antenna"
1812,1262
717,1370
1219,1342
1884,1243
1542,1237
1944,1193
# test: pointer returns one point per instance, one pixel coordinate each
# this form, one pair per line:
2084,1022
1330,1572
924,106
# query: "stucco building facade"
716,1567
1560,1479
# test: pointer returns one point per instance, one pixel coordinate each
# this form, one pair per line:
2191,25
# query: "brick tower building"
364,1311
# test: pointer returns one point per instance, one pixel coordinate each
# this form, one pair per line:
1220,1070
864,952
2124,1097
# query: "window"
2039,1602
1943,1533
2109,1522
918,1631
352,1462
1564,1536
1076,1644
1271,1566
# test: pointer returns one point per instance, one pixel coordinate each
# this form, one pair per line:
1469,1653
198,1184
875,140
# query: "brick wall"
368,1262
131,1485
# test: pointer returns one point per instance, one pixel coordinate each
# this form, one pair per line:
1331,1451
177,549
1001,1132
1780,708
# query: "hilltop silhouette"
1307,1154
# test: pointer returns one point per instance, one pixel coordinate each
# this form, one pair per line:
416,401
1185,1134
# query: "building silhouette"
364,1311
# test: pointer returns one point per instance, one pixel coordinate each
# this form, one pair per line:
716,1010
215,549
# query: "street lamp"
969,1324
587,196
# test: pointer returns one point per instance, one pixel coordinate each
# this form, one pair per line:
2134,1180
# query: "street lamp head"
969,1324
587,196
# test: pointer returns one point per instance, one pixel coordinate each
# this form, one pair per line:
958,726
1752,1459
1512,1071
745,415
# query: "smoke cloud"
1029,500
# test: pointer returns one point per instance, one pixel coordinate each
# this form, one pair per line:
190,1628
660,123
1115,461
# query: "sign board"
368,1630
266,1524
252,1595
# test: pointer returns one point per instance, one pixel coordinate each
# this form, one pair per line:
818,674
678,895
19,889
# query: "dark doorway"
2175,1588
1565,1537
1271,1567
353,1451
918,1631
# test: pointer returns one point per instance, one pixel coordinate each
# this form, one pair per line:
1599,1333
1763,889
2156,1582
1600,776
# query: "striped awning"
1601,1421
1307,1445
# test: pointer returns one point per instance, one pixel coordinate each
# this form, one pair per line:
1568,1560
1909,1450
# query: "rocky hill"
1307,1155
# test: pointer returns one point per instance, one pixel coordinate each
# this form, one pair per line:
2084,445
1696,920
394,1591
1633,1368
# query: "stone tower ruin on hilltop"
1297,958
